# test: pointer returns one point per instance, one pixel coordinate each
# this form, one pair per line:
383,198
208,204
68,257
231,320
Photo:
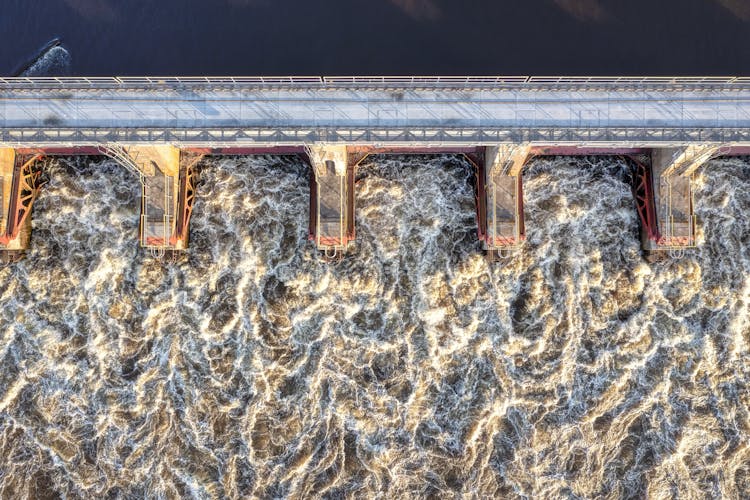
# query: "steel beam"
19,186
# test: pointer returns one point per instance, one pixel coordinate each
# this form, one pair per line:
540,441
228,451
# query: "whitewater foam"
411,368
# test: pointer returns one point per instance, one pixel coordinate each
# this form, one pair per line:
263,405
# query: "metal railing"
122,157
160,238
640,80
280,136
336,242
424,80
348,81
121,81
499,240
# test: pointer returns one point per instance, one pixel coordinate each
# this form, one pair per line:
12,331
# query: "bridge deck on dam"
349,110
159,128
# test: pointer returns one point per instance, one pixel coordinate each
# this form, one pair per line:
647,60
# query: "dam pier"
160,129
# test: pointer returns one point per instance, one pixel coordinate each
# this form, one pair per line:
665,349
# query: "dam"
160,128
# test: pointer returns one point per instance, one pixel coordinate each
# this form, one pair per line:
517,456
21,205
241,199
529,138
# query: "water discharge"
411,368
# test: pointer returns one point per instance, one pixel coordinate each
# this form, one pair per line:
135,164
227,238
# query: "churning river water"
412,368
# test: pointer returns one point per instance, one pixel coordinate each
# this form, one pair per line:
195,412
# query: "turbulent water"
413,368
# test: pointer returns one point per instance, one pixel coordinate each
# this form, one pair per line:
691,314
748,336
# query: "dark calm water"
264,37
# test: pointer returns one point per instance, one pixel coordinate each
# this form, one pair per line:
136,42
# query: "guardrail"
640,80
157,81
500,80
347,81
295,136
424,80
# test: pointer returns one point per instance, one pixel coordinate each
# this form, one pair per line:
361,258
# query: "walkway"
216,112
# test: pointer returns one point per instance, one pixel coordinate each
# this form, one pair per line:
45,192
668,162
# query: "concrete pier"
167,176
504,227
663,191
332,198
662,188
672,176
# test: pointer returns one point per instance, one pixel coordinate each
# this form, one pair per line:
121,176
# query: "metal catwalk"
374,110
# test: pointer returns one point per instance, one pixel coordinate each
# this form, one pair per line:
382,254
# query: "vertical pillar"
503,226
672,177
331,198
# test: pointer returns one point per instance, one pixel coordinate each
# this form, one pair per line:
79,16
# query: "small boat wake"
51,60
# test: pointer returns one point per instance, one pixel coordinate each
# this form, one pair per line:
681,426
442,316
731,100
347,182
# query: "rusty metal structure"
20,184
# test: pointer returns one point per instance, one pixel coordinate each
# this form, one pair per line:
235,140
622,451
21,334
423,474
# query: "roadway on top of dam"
195,112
